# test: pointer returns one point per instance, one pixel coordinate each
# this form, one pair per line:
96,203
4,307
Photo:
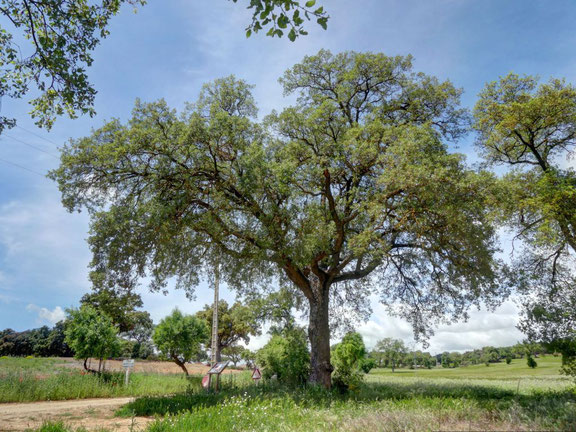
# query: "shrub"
530,361
346,358
367,364
286,356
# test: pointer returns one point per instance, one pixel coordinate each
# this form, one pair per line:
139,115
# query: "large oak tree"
351,192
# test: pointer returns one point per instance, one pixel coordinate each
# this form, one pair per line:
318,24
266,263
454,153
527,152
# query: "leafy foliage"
531,128
348,357
42,342
367,364
121,306
280,16
391,351
338,196
235,323
179,337
64,33
90,333
285,356
235,353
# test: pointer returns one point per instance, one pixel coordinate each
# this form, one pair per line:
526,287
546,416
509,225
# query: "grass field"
40,379
498,397
547,366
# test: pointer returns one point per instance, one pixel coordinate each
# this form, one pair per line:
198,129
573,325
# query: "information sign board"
218,368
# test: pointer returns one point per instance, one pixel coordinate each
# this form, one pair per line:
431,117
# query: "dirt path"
89,413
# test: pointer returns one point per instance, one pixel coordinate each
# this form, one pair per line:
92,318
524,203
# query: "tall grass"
28,387
408,406
386,402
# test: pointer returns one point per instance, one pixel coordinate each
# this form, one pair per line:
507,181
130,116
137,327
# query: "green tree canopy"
121,306
64,33
234,353
235,323
180,336
349,193
91,333
530,127
391,350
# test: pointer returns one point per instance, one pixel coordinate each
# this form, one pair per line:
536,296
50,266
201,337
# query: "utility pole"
214,349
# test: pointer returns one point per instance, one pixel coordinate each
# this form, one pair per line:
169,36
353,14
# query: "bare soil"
92,414
159,367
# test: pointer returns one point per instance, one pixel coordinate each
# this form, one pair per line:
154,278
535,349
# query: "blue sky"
169,48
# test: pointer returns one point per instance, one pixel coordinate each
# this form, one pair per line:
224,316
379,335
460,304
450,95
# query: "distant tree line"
40,342
393,353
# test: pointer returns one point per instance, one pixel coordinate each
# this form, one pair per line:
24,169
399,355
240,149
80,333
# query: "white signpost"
127,364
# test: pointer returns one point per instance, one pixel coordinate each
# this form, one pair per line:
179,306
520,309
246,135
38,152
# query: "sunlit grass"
548,366
31,379
499,397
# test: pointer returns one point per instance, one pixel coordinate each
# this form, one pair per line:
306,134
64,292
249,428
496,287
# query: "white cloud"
47,316
484,328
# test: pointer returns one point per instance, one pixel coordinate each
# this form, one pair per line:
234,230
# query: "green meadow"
498,397
43,379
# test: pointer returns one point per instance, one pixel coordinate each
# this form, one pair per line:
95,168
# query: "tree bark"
319,336
181,364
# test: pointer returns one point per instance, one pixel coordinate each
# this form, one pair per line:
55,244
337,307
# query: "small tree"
530,361
392,350
234,353
179,337
235,323
90,333
249,358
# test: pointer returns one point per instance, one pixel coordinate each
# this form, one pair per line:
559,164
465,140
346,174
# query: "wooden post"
214,346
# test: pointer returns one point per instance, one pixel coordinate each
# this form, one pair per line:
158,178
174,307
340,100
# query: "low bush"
286,357
347,358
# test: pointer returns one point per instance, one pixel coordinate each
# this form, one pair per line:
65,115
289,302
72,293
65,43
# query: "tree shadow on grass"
551,407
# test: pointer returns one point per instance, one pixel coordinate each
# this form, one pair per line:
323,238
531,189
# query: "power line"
22,167
32,146
37,135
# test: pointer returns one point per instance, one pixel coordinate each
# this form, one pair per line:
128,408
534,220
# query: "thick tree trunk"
319,335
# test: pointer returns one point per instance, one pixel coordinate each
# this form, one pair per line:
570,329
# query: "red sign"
206,381
256,375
